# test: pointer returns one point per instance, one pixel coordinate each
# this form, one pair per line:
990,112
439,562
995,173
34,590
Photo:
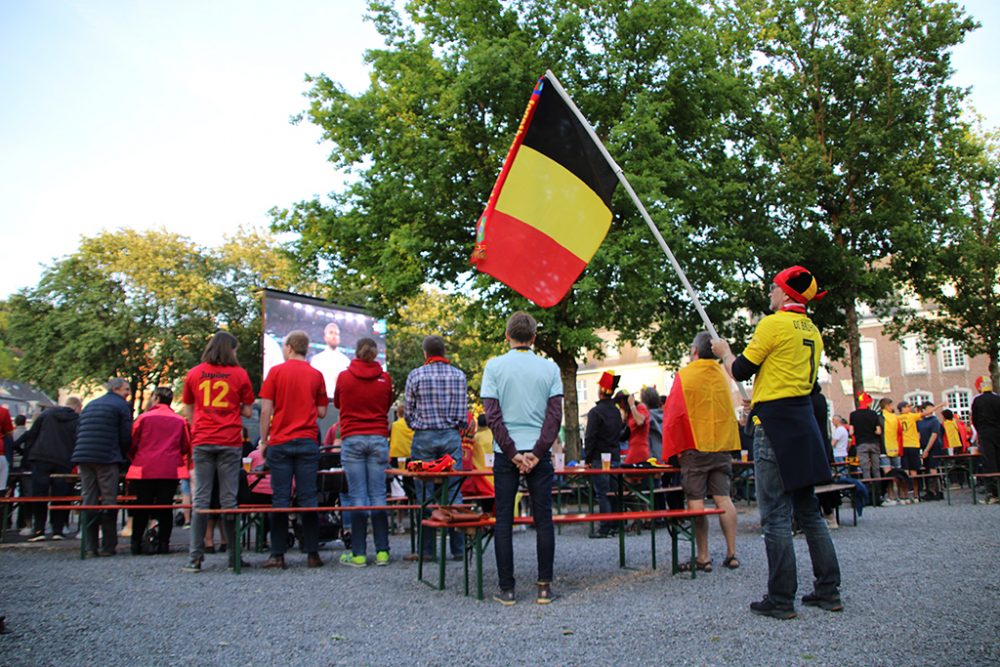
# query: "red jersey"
6,426
217,393
363,396
296,389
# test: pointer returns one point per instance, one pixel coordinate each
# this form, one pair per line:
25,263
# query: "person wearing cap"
986,422
867,429
604,431
789,456
931,439
523,397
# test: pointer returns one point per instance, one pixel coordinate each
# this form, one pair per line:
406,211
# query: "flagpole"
642,211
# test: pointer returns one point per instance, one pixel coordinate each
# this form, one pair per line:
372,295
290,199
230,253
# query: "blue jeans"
429,445
298,459
505,481
776,508
365,458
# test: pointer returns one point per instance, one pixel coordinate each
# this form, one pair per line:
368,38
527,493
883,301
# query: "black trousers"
153,492
42,484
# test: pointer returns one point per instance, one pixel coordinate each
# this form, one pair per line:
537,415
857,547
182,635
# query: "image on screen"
333,332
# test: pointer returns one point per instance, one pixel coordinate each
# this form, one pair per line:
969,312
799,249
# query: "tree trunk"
854,351
571,407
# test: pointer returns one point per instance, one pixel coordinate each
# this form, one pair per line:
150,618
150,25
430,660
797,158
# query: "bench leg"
3,526
479,564
237,547
441,557
84,523
652,541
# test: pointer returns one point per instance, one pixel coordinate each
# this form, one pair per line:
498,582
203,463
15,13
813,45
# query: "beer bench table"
846,491
86,517
680,523
7,501
951,462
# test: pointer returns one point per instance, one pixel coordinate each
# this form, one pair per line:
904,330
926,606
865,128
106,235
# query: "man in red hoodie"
294,398
364,396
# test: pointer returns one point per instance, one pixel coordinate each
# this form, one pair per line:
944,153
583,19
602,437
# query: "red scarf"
794,308
436,360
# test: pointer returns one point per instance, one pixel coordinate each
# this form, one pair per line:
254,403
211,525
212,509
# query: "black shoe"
545,594
194,565
243,564
221,548
600,535
506,598
829,604
767,608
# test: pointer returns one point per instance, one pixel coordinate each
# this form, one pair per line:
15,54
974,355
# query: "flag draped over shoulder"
699,413
550,208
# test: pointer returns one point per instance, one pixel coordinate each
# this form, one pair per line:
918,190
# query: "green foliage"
425,141
852,115
142,305
953,265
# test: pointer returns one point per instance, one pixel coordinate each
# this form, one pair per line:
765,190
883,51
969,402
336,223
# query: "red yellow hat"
799,284
984,383
609,381
864,400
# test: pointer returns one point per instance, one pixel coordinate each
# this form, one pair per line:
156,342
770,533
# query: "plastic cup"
974,450
488,459
951,451
744,455
606,461
401,462
247,462
560,461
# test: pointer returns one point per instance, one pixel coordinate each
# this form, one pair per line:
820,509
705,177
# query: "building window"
611,350
869,358
960,402
914,358
581,391
952,356
918,398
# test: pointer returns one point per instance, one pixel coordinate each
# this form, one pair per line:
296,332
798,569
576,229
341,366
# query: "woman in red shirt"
363,396
217,393
161,447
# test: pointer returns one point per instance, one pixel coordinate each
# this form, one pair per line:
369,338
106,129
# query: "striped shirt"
436,397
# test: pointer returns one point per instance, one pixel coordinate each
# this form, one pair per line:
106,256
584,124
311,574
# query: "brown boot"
314,560
275,563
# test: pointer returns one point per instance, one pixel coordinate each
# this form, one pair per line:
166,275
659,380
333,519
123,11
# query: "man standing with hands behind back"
789,453
522,395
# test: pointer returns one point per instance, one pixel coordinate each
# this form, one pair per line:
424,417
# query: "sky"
149,114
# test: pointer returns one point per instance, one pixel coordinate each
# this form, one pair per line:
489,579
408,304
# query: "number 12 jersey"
217,392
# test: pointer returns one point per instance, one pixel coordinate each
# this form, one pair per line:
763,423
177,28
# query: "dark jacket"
604,430
104,434
52,437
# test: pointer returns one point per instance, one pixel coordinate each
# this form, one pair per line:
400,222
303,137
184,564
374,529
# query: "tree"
852,117
954,266
425,141
127,303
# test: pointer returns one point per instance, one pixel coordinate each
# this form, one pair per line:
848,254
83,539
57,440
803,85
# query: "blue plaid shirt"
436,397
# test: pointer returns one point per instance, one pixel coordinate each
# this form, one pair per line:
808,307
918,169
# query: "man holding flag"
789,455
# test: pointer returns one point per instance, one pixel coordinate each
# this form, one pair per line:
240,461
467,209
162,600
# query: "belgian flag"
550,208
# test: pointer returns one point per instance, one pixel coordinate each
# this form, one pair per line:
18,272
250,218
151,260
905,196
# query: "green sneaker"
348,558
382,558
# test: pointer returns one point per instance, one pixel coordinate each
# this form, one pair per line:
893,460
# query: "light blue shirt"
523,383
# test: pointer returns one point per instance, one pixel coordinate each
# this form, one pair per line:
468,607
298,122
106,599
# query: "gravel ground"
921,587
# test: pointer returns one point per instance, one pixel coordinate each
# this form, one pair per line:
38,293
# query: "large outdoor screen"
333,332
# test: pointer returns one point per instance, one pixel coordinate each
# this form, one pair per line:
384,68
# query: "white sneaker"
37,538
889,503
58,537
26,532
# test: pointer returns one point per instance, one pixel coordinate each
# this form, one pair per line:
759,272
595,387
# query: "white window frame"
949,348
581,390
869,372
918,397
909,349
955,403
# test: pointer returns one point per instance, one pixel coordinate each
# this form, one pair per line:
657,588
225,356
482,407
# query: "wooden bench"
680,524
244,511
85,520
7,501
